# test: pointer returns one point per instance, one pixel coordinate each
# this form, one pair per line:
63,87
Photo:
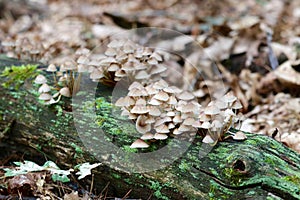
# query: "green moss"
17,75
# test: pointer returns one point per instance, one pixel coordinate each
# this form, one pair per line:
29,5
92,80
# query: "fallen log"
257,168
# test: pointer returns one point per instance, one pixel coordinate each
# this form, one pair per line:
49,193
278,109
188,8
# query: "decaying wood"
252,169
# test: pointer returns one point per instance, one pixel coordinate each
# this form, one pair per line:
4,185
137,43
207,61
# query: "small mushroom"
44,88
208,139
141,126
45,97
40,79
239,136
51,68
147,136
139,144
160,136
65,91
161,96
186,96
212,110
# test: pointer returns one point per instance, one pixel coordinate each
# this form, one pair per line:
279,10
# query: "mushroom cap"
157,69
152,61
229,97
236,105
161,96
239,136
113,67
137,92
110,52
185,96
51,68
45,97
189,121
96,74
183,128
177,119
204,118
141,126
199,93
44,88
154,111
139,109
176,132
172,89
40,79
136,85
159,121
125,101
151,90
115,44
196,124
139,144
216,124
120,73
161,84
147,136
154,102
212,110
142,75
221,104
205,125
140,102
172,100
171,126
150,120
156,55
160,136
162,128
65,91
208,139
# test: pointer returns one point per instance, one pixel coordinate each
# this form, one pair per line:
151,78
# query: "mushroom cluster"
161,111
65,83
123,58
23,48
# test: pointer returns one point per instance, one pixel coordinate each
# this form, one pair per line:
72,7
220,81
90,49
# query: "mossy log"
257,168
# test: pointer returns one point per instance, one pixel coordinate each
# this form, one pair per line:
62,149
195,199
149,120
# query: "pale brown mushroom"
51,68
160,136
44,88
40,79
147,136
139,144
65,91
140,124
161,96
45,97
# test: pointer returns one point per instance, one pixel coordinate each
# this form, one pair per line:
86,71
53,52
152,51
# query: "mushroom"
208,139
239,136
162,128
160,136
44,88
51,68
161,96
65,91
186,96
212,110
139,144
147,136
141,126
45,97
40,79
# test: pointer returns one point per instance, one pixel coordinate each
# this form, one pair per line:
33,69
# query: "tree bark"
256,168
